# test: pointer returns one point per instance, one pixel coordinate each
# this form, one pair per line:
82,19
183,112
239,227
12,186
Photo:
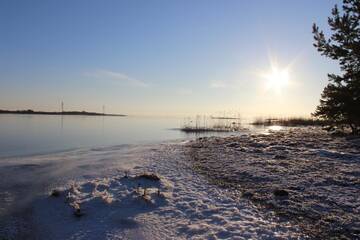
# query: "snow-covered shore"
302,175
209,188
182,205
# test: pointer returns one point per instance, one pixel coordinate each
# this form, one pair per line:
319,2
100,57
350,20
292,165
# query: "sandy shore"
301,175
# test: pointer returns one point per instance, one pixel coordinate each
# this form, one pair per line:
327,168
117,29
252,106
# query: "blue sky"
161,57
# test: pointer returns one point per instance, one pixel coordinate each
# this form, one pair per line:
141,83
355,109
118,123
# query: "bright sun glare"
277,79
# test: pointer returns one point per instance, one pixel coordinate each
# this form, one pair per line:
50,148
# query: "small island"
76,113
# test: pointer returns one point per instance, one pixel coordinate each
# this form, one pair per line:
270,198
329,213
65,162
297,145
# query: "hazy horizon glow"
163,57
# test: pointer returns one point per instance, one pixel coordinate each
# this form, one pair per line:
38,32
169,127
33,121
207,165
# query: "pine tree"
340,100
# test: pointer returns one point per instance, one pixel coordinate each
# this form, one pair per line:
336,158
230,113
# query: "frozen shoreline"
302,175
201,185
189,207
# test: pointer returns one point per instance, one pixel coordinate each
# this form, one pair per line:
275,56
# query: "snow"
199,194
319,172
187,207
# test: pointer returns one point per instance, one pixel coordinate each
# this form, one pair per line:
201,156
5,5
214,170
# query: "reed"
289,121
202,124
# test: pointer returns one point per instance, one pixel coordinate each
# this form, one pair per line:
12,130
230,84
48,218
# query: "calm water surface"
33,134
22,135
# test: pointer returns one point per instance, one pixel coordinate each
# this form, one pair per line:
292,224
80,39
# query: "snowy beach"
301,175
261,186
176,120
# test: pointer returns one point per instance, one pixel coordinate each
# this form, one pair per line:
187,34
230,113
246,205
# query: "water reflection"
33,134
275,128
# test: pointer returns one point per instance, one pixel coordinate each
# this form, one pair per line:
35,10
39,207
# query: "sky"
163,57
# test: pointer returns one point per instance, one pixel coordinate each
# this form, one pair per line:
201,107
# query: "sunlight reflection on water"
270,129
275,128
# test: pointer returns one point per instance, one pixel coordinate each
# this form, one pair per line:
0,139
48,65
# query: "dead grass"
295,121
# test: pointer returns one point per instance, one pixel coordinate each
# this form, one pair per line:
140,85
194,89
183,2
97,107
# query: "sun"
277,79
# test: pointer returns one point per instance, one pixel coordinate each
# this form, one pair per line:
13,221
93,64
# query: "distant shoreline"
74,113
